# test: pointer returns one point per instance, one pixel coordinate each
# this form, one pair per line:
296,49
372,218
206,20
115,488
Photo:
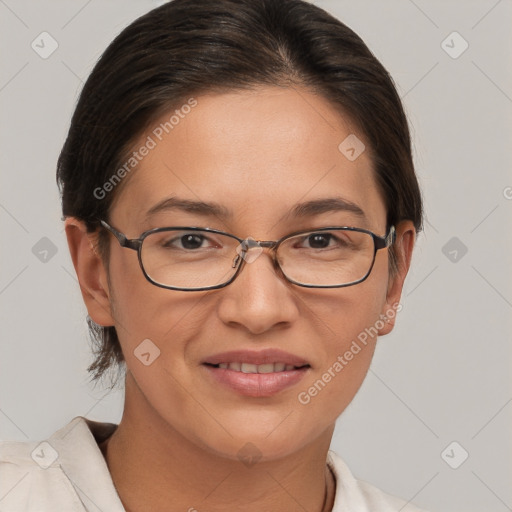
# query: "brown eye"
319,240
191,241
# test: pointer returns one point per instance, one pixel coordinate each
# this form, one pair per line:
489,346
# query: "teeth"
249,368
266,368
257,368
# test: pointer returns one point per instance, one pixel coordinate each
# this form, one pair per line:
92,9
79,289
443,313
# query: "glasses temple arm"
121,238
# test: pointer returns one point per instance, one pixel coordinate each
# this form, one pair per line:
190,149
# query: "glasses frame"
379,242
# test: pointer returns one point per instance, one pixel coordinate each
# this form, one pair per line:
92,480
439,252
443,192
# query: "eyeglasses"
195,259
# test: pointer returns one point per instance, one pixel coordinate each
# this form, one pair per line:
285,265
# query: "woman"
241,209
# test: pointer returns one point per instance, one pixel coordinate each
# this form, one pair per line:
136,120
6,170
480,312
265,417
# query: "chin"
255,440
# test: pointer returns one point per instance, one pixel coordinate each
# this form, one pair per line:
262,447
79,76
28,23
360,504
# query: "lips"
262,357
256,373
257,368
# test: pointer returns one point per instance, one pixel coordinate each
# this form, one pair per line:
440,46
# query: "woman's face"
257,154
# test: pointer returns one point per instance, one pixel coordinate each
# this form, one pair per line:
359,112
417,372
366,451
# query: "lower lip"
256,384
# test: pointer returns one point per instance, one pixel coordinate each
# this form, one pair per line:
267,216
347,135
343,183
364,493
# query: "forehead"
257,154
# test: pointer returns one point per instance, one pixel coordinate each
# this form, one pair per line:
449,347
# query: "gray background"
443,375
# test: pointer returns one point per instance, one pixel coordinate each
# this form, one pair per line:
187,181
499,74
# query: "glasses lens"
327,258
189,259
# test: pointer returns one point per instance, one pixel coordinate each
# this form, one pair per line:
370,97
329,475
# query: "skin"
258,153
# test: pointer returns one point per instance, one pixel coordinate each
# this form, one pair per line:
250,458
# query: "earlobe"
90,271
404,245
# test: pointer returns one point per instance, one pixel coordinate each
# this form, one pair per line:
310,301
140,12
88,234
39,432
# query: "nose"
259,299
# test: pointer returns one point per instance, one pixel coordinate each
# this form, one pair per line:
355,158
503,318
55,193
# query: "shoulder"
39,475
354,494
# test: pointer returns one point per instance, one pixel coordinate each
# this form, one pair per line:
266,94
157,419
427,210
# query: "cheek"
141,310
131,296
155,320
347,325
330,390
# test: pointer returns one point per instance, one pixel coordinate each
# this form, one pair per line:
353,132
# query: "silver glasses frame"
380,242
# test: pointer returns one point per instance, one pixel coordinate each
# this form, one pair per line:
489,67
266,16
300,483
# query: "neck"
156,468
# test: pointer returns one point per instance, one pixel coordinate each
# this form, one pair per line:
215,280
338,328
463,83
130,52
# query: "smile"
258,368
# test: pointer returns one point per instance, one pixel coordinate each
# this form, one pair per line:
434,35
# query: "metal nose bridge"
260,243
248,244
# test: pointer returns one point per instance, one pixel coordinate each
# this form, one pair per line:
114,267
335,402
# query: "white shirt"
68,473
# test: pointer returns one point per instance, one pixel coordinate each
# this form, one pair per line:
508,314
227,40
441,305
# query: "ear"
404,244
91,273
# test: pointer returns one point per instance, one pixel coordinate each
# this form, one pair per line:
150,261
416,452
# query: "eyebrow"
327,205
187,205
211,209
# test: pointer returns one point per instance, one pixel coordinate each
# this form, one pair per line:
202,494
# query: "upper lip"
256,357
